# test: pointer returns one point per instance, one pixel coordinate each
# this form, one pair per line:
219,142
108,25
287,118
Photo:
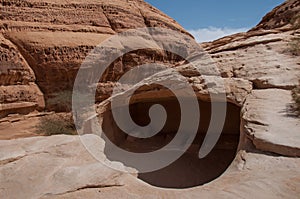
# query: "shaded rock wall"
18,90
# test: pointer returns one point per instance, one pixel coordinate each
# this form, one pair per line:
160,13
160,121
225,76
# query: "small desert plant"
296,98
294,45
295,21
59,123
61,102
56,125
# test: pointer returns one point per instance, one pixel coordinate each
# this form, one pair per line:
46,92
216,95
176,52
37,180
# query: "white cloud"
213,33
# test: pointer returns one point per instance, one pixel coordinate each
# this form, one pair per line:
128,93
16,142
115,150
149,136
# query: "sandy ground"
19,126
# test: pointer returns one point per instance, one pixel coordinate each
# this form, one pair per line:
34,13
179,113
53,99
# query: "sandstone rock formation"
54,37
20,126
18,90
53,174
44,43
260,139
60,167
271,126
261,55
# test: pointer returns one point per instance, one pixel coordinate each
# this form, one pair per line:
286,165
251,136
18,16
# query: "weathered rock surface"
280,16
18,91
60,167
271,126
262,54
52,166
55,36
262,59
55,40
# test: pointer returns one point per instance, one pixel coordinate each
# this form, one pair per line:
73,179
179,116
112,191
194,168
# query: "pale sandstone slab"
269,123
60,167
262,59
52,166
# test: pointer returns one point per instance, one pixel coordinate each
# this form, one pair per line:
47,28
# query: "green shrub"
56,125
296,22
295,49
61,102
294,45
296,98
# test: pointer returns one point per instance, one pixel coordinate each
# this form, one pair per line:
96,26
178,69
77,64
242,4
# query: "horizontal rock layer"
18,90
55,36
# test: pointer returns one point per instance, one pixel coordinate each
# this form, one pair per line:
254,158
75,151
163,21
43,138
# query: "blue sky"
210,19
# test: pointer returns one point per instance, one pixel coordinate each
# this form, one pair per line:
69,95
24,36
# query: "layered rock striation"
54,37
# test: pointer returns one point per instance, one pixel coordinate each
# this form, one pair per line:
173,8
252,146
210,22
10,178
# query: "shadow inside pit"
188,171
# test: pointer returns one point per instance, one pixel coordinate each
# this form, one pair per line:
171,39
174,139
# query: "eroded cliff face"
54,37
18,90
282,15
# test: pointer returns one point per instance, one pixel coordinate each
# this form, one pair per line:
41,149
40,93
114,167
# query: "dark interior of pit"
188,171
